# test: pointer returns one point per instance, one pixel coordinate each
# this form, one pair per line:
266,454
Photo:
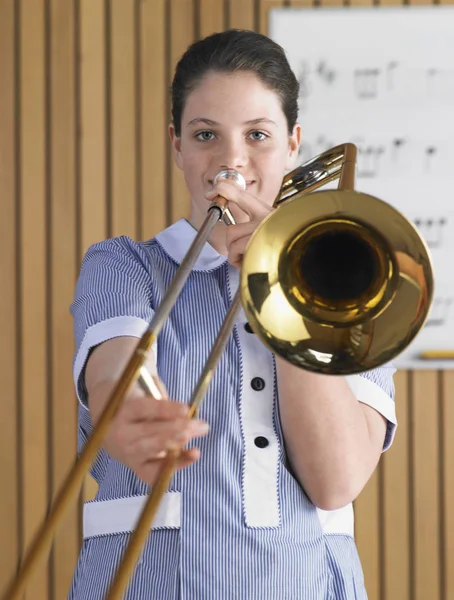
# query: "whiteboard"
383,78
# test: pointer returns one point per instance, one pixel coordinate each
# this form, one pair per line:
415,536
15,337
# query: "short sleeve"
112,299
376,388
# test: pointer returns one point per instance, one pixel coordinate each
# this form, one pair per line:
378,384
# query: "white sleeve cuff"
99,333
368,392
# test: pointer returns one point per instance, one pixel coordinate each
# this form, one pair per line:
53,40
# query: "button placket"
261,444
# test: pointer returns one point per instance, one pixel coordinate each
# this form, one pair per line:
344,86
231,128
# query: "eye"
204,136
258,136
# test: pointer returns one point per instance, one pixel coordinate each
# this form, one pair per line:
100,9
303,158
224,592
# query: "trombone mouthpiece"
220,202
233,175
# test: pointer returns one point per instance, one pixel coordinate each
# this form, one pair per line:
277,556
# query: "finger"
239,231
252,206
165,437
169,428
187,457
148,409
170,433
236,251
149,472
226,188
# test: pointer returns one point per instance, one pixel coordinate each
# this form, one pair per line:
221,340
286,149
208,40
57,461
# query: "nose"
233,154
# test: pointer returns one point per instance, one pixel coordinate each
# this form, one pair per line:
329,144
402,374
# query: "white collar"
176,240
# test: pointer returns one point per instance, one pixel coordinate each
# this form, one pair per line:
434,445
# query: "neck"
217,237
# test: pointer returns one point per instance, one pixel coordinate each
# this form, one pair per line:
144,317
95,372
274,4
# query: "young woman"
260,508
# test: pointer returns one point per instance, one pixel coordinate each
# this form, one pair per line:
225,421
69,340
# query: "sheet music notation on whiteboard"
391,155
389,82
432,229
395,101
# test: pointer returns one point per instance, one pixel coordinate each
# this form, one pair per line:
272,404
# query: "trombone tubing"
336,163
131,373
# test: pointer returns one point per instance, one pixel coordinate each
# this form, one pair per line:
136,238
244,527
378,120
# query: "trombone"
334,281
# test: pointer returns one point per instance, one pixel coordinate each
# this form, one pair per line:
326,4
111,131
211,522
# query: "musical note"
439,314
432,230
326,74
430,73
366,82
303,80
310,150
390,70
368,162
440,81
397,145
430,151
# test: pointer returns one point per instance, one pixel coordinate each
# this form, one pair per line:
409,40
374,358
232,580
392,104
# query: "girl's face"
232,121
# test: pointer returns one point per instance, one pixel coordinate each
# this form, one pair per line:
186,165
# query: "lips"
248,183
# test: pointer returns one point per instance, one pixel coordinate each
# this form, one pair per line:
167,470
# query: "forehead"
232,96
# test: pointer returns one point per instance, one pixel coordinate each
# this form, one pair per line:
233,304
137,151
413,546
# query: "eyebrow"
211,123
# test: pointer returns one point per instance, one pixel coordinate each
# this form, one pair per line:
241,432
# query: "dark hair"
232,51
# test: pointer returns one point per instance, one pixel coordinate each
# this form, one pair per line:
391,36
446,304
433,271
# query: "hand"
237,236
144,429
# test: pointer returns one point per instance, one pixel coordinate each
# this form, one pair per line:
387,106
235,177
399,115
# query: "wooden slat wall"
84,155
11,505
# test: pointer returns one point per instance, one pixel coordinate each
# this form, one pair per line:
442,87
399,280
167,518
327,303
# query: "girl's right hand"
145,429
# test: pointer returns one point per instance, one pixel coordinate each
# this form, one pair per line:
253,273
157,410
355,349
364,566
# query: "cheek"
274,156
273,166
272,173
193,166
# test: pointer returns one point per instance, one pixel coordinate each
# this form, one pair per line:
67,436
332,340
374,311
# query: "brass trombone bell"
336,281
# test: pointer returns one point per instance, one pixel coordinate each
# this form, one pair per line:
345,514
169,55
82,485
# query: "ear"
176,146
293,147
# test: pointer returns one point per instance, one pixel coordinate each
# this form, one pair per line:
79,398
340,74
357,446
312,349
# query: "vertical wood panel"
92,123
211,17
154,118
335,3
240,14
34,411
264,9
93,141
354,3
123,119
182,34
301,4
9,464
396,502
425,466
63,257
368,533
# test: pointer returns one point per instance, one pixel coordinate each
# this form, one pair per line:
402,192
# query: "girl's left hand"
237,236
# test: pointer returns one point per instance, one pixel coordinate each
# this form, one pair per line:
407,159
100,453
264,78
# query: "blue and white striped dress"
236,524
